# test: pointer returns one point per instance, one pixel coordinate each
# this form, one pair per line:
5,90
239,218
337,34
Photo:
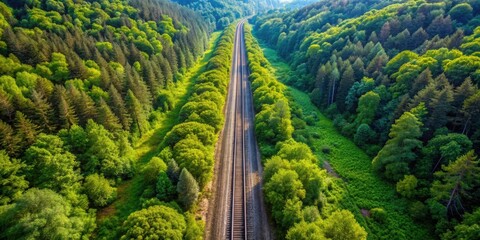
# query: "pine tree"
107,118
187,189
471,109
26,129
66,112
399,151
136,111
8,139
346,83
454,184
6,106
118,107
43,111
421,82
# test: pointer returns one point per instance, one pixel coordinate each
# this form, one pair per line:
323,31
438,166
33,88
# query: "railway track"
237,210
238,206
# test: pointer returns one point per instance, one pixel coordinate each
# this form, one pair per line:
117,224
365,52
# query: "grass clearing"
110,218
364,189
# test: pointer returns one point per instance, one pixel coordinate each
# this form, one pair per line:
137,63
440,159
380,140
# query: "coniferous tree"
26,130
43,111
67,115
8,139
119,108
107,118
399,151
140,122
454,184
345,84
187,189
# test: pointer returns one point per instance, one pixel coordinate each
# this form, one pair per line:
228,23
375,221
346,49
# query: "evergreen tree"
107,118
138,115
43,111
346,83
454,185
8,139
119,108
26,130
187,189
399,151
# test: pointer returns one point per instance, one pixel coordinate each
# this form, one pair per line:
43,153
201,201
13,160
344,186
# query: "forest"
81,83
220,13
399,78
366,116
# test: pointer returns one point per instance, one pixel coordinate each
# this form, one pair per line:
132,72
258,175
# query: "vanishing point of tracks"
237,210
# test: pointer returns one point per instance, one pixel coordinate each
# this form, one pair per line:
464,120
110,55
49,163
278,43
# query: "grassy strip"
365,189
130,192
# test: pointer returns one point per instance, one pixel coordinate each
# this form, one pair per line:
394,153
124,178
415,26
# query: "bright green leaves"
98,190
12,183
44,214
156,222
338,226
273,123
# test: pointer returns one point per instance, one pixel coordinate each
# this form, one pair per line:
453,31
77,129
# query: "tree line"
81,82
402,81
221,13
298,192
175,179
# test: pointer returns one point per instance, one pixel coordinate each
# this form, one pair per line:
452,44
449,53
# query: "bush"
326,149
156,222
98,190
379,215
154,167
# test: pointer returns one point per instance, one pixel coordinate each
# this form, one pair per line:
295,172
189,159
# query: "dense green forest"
301,195
220,13
400,78
104,100
81,82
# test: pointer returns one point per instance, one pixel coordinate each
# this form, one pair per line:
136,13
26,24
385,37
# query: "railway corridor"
237,210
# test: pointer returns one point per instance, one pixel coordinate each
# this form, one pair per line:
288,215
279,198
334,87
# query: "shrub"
379,214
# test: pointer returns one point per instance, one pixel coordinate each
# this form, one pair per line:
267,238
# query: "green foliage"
365,188
379,215
284,187
367,107
467,229
453,185
156,222
398,152
154,167
98,190
187,189
50,166
104,155
406,186
305,231
342,225
461,12
165,188
12,183
44,214
195,228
